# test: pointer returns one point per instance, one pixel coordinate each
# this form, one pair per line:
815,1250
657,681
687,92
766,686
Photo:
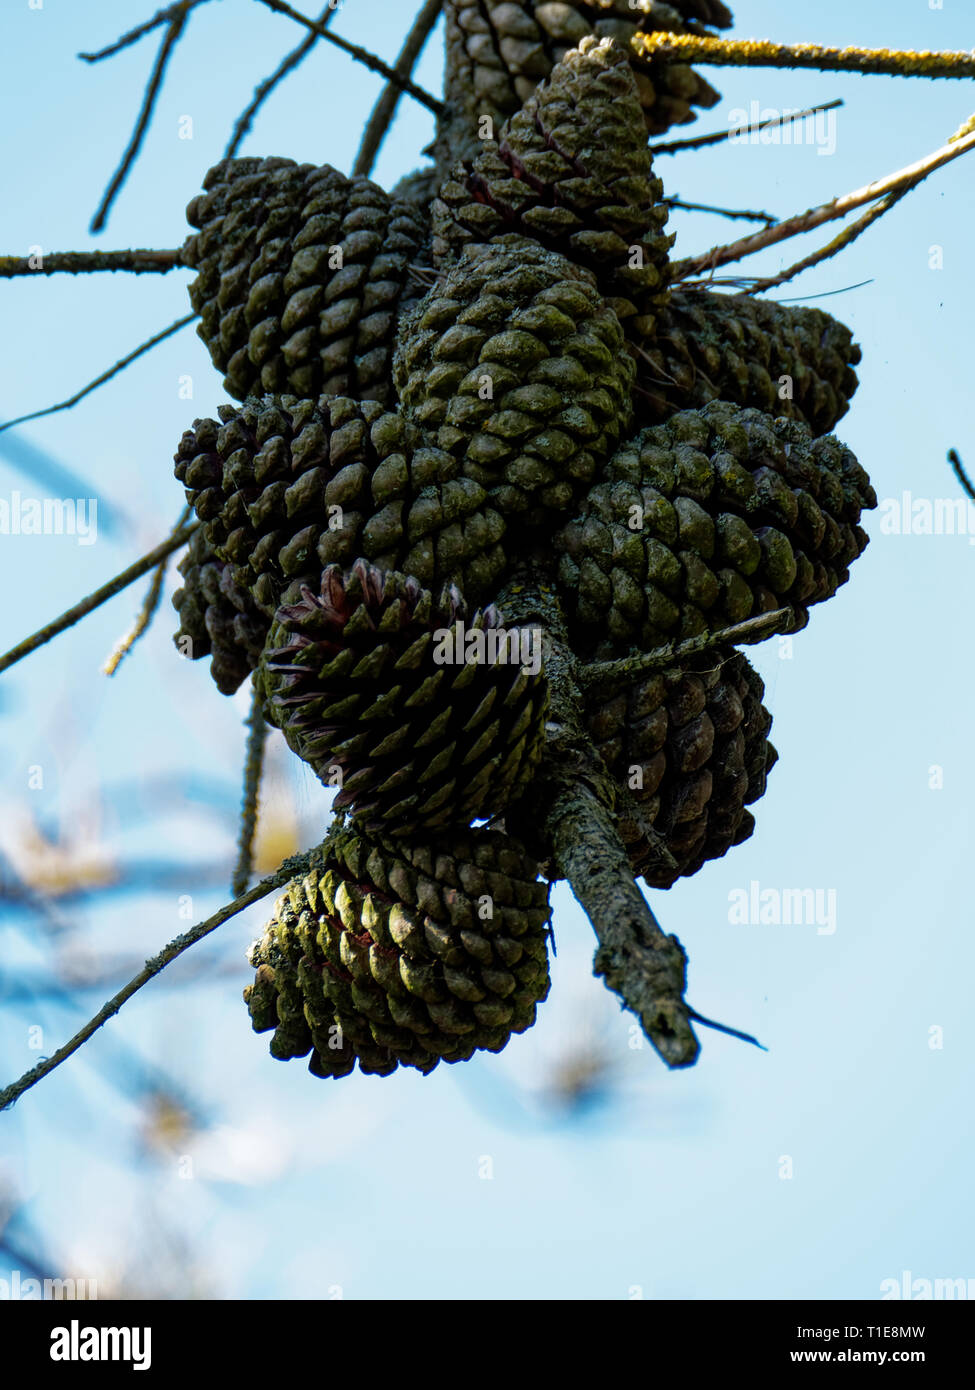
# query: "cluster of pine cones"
485,366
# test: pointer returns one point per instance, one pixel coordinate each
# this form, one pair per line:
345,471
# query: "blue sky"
672,1184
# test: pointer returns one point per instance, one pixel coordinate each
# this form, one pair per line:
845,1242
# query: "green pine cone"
572,170
498,53
691,749
372,687
715,516
217,618
403,954
285,487
514,364
781,358
301,276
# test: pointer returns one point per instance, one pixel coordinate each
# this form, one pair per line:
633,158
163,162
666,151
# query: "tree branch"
960,474
169,41
760,53
160,17
296,864
81,262
385,108
148,610
95,600
361,55
827,212
603,677
265,88
741,213
100,380
573,800
253,767
698,142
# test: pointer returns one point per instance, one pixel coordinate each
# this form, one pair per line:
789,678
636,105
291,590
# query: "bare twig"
698,142
760,53
767,217
164,16
601,676
170,39
960,473
833,247
95,600
909,177
100,380
264,89
253,766
297,864
81,262
148,610
361,55
385,108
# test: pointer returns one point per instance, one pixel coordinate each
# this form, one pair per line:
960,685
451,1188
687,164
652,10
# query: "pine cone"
217,617
572,170
736,348
302,274
404,954
285,487
717,515
498,53
365,679
691,750
515,365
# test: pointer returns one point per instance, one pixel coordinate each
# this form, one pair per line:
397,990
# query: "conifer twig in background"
960,474
170,39
361,55
253,767
808,221
264,89
82,262
385,108
148,610
96,599
119,366
699,142
760,53
296,864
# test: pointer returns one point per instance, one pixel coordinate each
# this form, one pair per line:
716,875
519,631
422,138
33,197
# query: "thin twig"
361,55
253,766
169,41
760,53
385,108
297,864
95,600
607,675
698,142
148,610
133,35
82,262
960,473
833,247
100,380
826,212
264,89
768,218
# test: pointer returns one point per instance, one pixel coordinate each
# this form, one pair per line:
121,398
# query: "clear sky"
836,1160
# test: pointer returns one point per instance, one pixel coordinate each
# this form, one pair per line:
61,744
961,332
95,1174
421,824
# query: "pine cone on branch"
217,617
403,954
423,714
